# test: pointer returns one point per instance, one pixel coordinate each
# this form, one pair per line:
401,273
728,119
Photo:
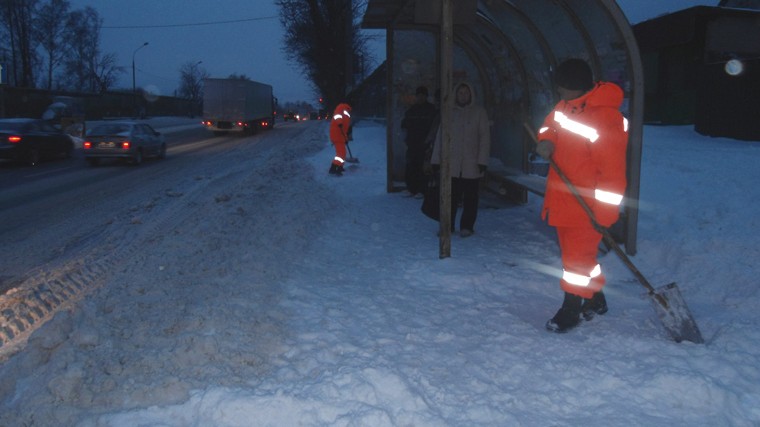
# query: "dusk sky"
235,37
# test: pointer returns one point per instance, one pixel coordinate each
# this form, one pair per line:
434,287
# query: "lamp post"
134,87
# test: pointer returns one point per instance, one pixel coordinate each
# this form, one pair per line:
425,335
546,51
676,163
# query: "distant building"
369,98
702,67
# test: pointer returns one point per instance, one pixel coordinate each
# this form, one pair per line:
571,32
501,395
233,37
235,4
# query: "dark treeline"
51,46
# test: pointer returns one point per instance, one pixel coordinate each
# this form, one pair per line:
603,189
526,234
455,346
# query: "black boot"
335,170
568,316
594,306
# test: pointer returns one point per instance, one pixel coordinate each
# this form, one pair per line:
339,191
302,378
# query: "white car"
128,140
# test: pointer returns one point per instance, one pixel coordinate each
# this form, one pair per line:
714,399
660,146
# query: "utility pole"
447,55
134,86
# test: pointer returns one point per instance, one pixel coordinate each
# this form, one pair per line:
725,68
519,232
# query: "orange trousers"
582,274
340,153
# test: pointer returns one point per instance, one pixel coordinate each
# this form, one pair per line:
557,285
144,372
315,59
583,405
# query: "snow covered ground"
287,297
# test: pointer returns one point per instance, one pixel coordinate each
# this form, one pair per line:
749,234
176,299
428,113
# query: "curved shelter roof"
507,50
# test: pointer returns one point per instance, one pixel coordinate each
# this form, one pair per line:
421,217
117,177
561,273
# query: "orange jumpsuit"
339,127
590,138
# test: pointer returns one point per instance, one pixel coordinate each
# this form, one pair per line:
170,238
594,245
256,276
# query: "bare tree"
106,72
323,37
191,76
50,31
18,19
6,49
86,68
83,48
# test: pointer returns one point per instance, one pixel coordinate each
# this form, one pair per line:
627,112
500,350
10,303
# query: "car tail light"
87,145
13,139
125,145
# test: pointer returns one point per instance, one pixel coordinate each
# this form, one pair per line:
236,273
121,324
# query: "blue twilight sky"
235,37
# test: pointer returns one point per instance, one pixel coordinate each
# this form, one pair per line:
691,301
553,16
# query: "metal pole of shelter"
389,107
447,53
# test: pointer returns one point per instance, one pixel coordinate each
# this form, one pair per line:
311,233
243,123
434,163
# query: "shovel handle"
605,234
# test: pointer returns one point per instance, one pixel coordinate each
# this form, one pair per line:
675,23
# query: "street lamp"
134,88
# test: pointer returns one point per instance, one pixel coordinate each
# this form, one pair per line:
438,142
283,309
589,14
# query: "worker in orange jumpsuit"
587,137
340,131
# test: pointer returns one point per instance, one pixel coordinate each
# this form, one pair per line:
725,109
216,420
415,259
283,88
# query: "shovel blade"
352,160
674,314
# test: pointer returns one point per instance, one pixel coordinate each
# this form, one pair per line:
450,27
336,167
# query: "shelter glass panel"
414,64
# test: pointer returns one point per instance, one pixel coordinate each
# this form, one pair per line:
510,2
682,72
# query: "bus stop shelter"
507,49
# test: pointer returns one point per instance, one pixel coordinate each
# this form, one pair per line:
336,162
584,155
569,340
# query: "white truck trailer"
237,105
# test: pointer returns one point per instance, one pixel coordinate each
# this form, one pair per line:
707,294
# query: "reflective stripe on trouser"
582,274
340,153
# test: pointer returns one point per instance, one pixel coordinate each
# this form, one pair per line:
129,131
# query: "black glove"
482,168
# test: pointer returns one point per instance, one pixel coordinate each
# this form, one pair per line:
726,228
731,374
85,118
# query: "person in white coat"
469,151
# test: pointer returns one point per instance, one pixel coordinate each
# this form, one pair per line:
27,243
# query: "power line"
198,24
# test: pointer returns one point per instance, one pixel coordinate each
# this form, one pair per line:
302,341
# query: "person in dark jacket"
586,136
417,122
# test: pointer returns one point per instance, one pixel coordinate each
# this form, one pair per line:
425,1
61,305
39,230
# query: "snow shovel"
349,138
667,301
351,158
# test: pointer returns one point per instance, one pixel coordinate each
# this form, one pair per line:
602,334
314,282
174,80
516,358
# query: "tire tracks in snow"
60,285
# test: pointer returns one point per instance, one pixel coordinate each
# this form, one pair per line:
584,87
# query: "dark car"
132,141
290,115
30,140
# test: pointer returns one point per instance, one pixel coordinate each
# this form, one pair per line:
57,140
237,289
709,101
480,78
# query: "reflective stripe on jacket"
341,121
590,138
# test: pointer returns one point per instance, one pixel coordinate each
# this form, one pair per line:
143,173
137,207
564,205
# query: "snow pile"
289,297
